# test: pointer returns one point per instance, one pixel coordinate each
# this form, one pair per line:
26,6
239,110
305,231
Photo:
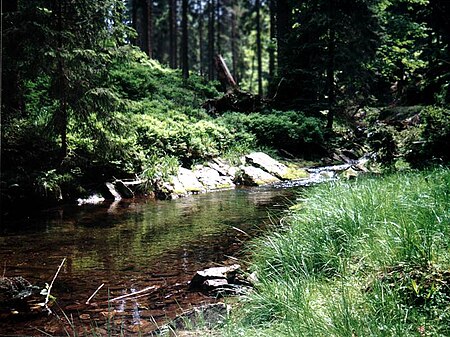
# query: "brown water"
128,246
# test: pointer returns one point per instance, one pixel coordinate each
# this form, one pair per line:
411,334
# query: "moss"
295,173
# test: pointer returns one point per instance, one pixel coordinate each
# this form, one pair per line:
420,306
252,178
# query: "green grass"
363,258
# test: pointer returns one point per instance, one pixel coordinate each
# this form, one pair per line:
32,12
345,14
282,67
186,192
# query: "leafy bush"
290,130
138,78
433,139
181,137
382,141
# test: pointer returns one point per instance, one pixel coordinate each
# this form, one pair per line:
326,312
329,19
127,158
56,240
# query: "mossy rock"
293,173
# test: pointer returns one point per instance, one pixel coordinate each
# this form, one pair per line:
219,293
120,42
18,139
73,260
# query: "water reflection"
132,245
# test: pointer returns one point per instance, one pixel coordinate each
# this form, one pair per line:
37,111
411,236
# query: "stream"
129,246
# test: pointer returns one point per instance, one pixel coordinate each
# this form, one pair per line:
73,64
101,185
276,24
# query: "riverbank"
355,258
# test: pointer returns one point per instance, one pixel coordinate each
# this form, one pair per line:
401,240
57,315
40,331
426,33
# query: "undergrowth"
362,258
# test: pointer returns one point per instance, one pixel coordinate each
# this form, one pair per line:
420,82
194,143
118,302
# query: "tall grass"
364,258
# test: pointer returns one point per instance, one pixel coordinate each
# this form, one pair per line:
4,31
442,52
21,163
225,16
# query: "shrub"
433,139
290,130
382,141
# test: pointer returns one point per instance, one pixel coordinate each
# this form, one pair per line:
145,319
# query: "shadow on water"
128,246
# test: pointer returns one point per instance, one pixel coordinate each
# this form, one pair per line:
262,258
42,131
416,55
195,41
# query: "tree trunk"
224,74
284,13
200,38
11,97
61,119
234,37
211,50
173,33
134,18
258,45
219,27
272,9
150,28
185,40
330,69
9,6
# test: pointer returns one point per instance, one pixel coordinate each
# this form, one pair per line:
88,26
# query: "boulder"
109,192
255,176
171,189
189,181
124,190
220,166
213,278
267,163
15,288
211,178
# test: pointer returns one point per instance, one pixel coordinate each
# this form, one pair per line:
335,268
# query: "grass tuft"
359,258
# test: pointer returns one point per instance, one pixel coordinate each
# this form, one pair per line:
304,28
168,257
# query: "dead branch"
95,292
51,285
132,294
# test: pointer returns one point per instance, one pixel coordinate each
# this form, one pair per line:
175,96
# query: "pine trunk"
173,33
258,46
272,9
219,27
330,70
150,28
234,37
283,30
185,40
211,31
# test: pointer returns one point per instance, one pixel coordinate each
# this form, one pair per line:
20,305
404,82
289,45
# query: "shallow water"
129,246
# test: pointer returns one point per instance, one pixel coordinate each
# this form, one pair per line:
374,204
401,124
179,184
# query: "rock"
211,178
15,288
189,181
215,284
254,176
123,189
350,173
212,278
178,187
169,190
110,192
220,166
268,164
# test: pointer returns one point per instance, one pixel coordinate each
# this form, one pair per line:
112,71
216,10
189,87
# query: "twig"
42,331
132,294
51,285
240,230
95,292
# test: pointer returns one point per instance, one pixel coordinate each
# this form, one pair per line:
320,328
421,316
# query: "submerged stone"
211,278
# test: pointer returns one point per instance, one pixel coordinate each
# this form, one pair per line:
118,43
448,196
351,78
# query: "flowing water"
129,246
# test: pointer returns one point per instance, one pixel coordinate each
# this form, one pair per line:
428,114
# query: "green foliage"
48,184
382,142
366,258
182,137
290,130
138,78
157,168
431,145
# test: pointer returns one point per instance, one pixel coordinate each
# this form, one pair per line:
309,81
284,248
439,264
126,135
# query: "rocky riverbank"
255,169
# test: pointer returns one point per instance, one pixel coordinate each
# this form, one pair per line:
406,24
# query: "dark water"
129,246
